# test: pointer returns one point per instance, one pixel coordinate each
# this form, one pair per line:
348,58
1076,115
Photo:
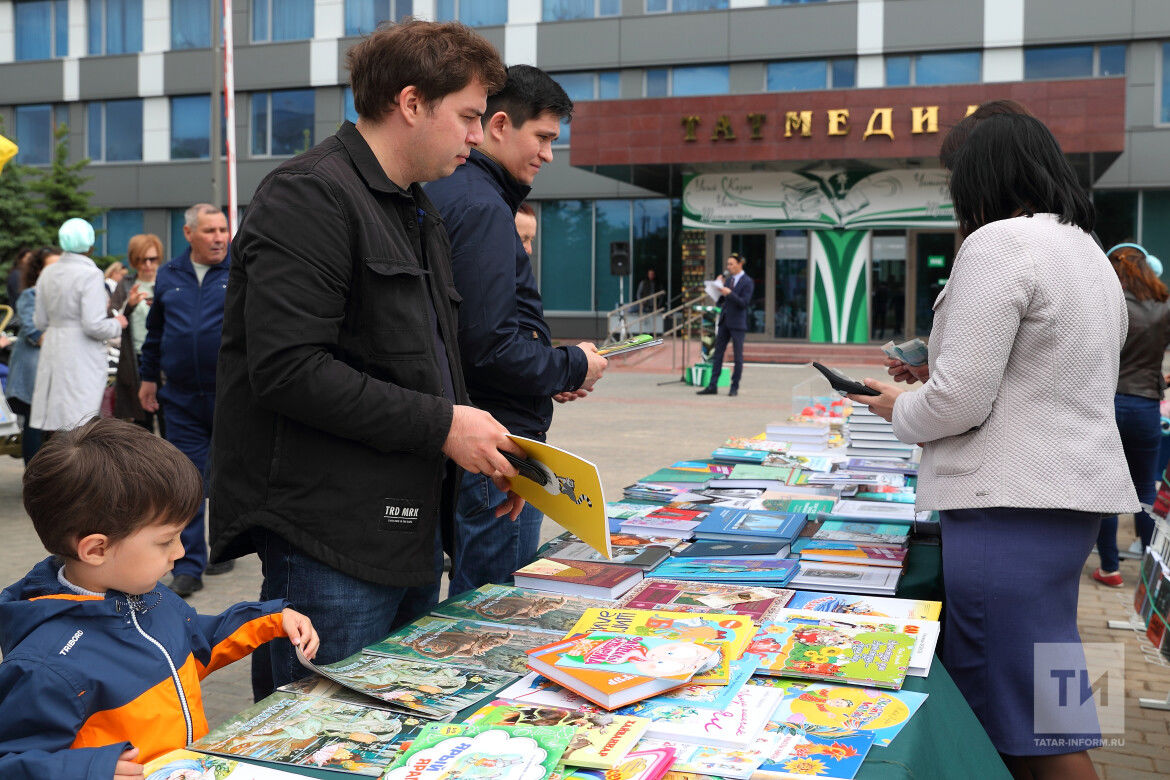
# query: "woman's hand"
904,372
881,405
137,296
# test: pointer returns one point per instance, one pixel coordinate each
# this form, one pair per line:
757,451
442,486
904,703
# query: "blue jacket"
735,306
184,326
512,369
22,364
97,673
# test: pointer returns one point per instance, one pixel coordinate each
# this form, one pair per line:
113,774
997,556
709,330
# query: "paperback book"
707,697
836,711
728,763
800,755
750,526
517,607
737,726
882,465
463,643
182,764
924,632
458,751
680,524
838,653
602,741
642,764
643,556
889,534
757,603
875,606
848,552
708,548
589,579
857,579
736,571
643,655
872,511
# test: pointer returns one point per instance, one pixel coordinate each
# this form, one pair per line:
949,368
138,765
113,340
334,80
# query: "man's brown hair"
436,57
107,477
141,244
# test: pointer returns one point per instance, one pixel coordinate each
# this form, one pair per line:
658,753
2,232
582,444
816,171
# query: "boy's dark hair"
1009,164
528,93
436,57
107,477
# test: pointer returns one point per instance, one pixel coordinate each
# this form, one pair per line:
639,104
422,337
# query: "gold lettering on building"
689,124
723,129
924,119
838,121
881,122
756,123
799,122
971,110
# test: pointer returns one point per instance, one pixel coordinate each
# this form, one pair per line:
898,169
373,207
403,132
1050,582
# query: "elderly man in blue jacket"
737,288
183,331
512,369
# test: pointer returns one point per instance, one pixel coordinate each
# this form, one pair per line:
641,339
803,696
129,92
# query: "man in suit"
737,290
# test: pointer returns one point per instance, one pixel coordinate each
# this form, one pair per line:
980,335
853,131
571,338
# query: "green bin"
699,375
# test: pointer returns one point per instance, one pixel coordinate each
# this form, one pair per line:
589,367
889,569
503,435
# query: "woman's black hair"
1011,164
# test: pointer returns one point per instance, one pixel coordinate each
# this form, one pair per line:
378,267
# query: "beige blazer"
1018,411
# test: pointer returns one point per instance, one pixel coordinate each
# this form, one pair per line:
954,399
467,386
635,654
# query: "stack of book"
803,438
872,437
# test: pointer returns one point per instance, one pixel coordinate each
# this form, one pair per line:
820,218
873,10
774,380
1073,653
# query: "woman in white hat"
72,309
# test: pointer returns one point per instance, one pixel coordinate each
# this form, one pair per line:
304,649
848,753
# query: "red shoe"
1112,580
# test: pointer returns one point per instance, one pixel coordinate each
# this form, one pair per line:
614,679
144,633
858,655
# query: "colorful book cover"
728,633
843,576
833,712
737,455
881,465
311,732
592,575
849,552
674,526
747,525
807,506
712,697
737,725
537,690
425,688
714,548
517,607
758,603
324,688
702,761
729,570
464,643
641,764
602,741
675,475
643,655
458,751
623,510
807,755
752,471
871,511
183,764
893,534
837,653
877,606
645,556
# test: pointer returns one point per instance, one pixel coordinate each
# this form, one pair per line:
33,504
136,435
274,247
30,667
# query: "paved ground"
630,426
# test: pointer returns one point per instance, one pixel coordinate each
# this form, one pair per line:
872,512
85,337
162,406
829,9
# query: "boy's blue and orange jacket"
99,673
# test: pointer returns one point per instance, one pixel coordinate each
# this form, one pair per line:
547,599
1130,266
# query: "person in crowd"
1030,297
102,665
16,274
513,370
647,287
737,290
114,275
133,297
1140,385
71,307
342,410
526,227
183,330
22,363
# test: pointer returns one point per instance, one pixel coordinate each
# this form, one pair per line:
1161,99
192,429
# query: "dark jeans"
348,613
489,548
1140,424
723,336
31,438
189,416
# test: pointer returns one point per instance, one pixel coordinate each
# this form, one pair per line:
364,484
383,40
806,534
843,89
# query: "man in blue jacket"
512,369
182,345
737,290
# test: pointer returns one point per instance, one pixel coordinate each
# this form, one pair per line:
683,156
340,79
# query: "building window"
564,10
362,17
34,134
566,254
190,24
178,241
1111,60
657,82
803,75
282,20
473,13
683,6
42,29
1073,62
794,2
115,26
693,80
952,67
282,122
350,112
191,127
1164,112
115,228
587,86
114,130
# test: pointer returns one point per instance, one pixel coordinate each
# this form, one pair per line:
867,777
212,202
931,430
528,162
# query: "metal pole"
216,110
229,107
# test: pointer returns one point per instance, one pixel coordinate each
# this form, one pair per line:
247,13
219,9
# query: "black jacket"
511,366
331,412
1140,370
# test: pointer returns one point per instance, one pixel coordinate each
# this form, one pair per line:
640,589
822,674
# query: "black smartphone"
844,384
526,469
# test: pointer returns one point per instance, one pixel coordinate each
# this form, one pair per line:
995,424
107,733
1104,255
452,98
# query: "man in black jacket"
512,369
341,393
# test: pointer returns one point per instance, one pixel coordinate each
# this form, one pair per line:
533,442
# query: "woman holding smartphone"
133,297
1021,453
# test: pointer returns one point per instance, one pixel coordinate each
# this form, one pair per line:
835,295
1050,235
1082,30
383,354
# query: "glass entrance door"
933,254
754,248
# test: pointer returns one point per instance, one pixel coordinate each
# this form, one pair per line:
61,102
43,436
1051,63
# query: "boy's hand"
300,632
127,766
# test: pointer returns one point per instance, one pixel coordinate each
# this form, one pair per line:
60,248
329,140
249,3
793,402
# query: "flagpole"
229,108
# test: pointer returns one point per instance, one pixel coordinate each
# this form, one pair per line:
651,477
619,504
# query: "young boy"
101,664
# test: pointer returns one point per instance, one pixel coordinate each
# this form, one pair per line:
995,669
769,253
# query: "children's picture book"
711,697
750,526
731,763
709,548
642,764
835,711
426,688
602,740
924,632
590,579
566,488
458,751
463,643
737,571
307,731
798,755
836,653
758,603
736,726
877,606
189,765
838,576
517,607
728,633
647,656
889,534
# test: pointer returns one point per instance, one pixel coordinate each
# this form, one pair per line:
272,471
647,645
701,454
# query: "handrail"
635,312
